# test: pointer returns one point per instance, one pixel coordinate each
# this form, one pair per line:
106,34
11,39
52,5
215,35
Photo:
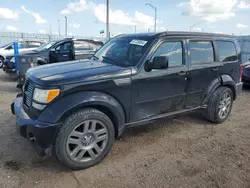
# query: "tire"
73,149
215,104
1,62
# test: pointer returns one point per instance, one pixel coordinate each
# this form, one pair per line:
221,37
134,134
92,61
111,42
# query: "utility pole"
66,25
107,20
155,9
59,32
135,28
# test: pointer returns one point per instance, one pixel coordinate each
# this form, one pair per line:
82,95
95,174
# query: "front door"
62,52
203,69
160,91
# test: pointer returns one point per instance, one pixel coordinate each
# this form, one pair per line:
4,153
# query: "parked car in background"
77,109
55,51
23,45
246,73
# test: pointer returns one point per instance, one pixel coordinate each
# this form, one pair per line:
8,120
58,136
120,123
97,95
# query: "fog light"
38,106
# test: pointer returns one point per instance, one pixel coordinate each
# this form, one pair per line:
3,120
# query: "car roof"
175,33
94,42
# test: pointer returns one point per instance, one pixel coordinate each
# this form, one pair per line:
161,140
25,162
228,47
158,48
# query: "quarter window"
201,52
65,47
227,51
174,52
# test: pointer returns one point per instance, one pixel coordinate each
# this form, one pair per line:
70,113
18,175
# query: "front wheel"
220,105
84,139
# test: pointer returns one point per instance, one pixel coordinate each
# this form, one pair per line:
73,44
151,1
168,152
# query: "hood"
75,71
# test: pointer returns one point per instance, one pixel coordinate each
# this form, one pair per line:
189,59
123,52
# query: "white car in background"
23,45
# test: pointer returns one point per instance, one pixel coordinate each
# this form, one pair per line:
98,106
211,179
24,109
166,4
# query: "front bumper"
41,134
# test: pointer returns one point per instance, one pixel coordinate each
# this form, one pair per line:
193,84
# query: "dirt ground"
182,152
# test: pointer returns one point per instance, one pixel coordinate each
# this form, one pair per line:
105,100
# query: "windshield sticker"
138,42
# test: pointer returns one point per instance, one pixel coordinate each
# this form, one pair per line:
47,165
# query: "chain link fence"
7,37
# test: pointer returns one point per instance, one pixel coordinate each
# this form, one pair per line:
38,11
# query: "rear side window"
201,52
227,51
174,52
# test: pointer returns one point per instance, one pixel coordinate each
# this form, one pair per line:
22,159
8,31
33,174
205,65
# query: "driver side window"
65,47
174,52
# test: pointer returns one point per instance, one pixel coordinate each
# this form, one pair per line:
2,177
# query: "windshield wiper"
110,60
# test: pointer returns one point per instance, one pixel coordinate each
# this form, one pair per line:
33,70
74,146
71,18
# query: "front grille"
28,94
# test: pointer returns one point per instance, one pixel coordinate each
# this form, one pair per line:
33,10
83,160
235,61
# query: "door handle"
182,73
215,68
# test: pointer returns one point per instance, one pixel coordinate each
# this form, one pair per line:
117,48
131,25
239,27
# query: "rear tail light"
241,72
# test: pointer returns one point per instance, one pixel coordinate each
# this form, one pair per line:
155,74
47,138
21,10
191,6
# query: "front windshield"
46,46
123,51
5,45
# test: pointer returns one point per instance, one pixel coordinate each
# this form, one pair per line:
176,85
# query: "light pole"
194,25
59,32
135,28
107,20
155,9
66,25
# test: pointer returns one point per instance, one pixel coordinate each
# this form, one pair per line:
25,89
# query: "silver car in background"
23,45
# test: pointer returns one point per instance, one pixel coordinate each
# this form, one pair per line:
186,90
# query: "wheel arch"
223,80
103,102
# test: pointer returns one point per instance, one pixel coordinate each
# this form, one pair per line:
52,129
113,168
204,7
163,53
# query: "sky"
88,17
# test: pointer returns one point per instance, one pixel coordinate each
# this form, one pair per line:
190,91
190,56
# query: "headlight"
45,96
13,59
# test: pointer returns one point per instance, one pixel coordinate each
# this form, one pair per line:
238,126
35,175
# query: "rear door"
203,69
62,52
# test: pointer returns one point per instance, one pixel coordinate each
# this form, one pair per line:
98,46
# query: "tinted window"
82,45
65,47
201,52
227,51
174,52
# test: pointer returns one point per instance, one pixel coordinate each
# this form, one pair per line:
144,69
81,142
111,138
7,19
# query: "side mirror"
159,62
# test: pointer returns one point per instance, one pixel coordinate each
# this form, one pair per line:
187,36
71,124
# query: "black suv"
77,109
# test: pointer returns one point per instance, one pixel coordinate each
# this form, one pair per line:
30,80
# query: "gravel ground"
185,151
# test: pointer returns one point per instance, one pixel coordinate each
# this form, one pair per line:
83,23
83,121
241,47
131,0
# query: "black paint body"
128,95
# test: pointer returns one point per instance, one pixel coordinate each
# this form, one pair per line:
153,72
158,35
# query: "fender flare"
223,80
229,82
57,110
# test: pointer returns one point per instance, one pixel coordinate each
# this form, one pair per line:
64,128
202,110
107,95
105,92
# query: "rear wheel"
84,139
1,61
220,105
